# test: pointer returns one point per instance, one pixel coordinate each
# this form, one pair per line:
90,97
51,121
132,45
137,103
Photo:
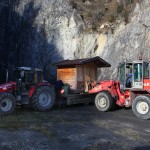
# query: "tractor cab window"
122,75
29,77
40,76
125,75
138,72
16,75
129,75
146,70
138,75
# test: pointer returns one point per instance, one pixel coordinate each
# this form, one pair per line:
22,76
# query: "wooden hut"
78,73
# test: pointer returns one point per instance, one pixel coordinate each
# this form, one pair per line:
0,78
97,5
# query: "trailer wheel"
104,101
43,98
7,103
141,107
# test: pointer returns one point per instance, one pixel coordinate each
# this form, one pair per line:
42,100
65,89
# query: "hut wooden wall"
78,77
68,75
86,73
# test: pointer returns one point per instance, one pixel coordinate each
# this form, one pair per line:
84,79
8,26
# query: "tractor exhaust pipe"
6,75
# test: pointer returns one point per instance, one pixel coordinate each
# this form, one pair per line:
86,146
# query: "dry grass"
120,129
35,121
94,13
42,122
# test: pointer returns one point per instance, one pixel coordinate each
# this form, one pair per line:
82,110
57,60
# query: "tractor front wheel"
43,98
7,103
104,101
141,107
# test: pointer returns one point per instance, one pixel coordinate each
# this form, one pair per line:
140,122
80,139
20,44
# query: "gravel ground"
74,128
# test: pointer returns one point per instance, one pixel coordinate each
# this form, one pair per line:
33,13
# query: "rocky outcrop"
126,42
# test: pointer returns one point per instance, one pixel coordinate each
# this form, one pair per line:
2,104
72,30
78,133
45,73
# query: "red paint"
113,87
8,87
146,84
107,85
33,88
11,86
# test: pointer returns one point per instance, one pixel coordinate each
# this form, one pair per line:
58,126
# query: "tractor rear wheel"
7,103
43,98
104,101
141,107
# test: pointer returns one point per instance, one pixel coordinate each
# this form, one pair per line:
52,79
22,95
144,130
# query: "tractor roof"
132,62
28,69
99,62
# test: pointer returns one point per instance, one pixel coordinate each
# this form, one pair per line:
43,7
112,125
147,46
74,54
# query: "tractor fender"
33,88
107,85
8,87
113,95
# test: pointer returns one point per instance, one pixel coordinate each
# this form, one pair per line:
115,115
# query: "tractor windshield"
137,75
34,76
137,72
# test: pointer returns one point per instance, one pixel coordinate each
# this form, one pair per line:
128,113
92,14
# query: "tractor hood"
7,87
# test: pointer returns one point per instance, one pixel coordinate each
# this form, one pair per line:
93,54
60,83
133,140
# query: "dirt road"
74,128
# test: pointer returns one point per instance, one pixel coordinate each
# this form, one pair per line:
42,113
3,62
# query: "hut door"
86,77
80,78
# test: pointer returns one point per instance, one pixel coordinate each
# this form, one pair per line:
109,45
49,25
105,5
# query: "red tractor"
27,89
132,89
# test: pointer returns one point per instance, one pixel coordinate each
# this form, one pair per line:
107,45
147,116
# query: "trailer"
74,77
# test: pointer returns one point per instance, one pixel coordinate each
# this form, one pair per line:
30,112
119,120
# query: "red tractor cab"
28,88
131,90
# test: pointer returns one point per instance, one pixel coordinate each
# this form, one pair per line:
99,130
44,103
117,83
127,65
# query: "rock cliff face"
38,32
128,41
125,43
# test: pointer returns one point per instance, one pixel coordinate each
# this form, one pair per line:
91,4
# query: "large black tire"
141,107
104,101
43,98
7,103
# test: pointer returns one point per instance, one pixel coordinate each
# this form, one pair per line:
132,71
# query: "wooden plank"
80,74
67,75
80,78
86,73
